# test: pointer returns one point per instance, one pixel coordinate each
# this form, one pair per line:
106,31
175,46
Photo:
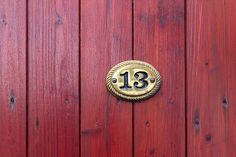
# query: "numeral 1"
126,81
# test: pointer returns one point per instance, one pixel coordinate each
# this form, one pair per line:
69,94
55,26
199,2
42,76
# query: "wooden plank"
13,78
159,39
106,39
211,38
53,78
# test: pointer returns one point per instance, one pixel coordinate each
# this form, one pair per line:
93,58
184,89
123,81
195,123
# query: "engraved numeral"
140,77
126,81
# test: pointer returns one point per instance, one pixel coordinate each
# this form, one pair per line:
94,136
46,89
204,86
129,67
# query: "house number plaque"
133,80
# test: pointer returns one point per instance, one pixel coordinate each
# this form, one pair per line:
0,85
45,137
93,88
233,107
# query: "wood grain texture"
53,78
13,78
159,39
106,39
211,56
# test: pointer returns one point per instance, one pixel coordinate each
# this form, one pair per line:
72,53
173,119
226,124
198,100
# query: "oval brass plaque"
133,80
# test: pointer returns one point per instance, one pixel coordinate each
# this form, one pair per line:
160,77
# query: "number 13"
140,77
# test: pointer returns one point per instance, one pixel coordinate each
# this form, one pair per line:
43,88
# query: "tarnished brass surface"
133,80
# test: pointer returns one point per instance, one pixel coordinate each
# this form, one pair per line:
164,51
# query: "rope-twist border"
133,98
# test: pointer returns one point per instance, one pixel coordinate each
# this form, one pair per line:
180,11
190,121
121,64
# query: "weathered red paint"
106,39
54,58
211,79
13,78
53,69
159,38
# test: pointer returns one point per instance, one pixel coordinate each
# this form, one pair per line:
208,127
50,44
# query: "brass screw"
114,80
152,80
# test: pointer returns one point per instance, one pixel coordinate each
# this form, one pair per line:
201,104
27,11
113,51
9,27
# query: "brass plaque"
133,80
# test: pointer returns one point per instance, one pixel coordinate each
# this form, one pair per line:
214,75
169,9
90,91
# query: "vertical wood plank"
53,78
211,62
13,78
159,38
106,39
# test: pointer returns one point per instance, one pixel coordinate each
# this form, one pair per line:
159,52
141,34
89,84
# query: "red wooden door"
54,58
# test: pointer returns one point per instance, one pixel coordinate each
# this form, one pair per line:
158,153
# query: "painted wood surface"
159,39
54,58
106,39
12,78
211,62
53,78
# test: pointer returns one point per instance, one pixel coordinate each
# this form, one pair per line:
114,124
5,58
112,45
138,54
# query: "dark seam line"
186,79
27,78
79,59
133,142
